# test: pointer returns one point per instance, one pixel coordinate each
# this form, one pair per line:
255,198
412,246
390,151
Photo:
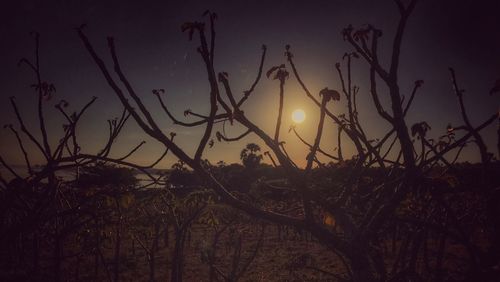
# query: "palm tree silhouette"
250,156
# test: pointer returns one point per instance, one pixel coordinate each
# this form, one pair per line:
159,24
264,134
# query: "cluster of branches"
36,204
358,227
67,153
386,196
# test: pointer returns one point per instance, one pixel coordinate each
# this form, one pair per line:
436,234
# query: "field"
121,233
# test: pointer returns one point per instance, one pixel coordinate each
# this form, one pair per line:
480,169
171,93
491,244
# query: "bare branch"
130,90
280,110
376,101
478,139
214,93
221,136
460,141
259,74
153,133
132,151
113,84
192,124
4,164
418,84
25,130
21,145
319,133
398,39
310,146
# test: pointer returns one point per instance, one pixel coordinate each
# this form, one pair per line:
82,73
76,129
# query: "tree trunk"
178,257
166,239
361,269
96,255
36,255
116,270
152,253
57,258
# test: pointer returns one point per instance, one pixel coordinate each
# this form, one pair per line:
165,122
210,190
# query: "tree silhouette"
250,156
361,209
387,192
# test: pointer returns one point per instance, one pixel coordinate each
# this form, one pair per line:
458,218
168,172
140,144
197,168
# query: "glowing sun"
298,116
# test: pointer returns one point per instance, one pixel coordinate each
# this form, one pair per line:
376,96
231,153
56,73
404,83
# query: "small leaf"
271,70
126,200
281,74
330,94
441,145
449,128
329,219
346,32
109,201
361,34
420,129
187,25
451,180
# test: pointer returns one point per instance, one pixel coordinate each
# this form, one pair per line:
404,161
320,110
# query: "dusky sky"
155,54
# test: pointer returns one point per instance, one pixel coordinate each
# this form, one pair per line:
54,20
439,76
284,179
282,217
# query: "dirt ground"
289,258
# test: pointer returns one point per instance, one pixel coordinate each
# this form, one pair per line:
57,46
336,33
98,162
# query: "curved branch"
418,84
9,168
71,128
130,90
376,101
259,74
460,141
483,150
214,93
157,134
186,124
113,84
229,139
280,111
398,39
21,145
310,146
352,135
132,151
25,130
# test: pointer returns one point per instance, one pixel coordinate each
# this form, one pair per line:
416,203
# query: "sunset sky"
155,54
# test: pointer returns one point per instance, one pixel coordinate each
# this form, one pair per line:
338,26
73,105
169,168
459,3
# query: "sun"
298,116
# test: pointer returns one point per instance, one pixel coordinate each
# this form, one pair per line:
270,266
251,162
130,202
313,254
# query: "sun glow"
298,116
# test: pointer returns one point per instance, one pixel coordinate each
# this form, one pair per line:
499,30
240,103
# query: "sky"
154,54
